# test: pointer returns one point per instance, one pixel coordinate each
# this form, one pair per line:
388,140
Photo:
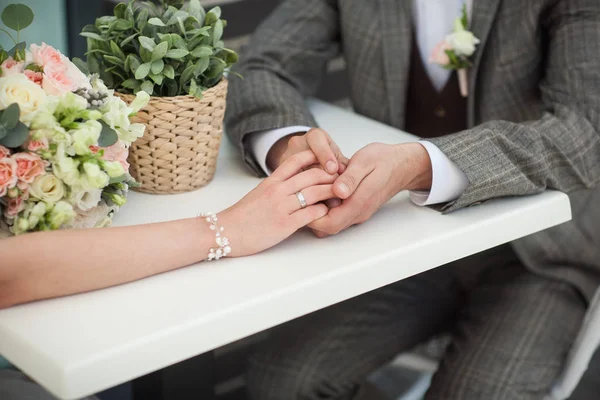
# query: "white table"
79,345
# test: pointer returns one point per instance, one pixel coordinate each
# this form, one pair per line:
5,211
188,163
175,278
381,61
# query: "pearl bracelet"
216,253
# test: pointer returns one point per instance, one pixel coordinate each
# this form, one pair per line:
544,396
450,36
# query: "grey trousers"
16,386
511,332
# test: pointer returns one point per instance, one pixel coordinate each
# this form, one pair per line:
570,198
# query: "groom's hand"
328,154
374,175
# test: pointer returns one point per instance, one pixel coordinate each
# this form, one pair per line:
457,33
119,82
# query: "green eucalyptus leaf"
10,116
147,43
157,66
148,87
169,71
217,31
16,136
108,136
202,51
3,131
92,35
177,53
156,22
17,16
160,51
142,71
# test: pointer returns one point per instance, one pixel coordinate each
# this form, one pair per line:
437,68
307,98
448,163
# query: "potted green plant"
174,51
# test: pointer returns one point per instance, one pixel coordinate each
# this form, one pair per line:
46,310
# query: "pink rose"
15,206
57,82
11,67
117,152
35,145
8,175
439,56
4,152
48,57
35,77
29,166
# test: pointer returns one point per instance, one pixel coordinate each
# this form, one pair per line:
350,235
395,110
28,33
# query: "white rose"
86,135
463,43
47,188
94,177
85,200
29,96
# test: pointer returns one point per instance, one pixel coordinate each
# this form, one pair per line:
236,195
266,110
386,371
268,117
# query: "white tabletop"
79,345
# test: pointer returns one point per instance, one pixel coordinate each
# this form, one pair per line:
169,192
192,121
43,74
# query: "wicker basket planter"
178,152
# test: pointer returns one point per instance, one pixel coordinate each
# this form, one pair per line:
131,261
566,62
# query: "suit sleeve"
284,63
559,151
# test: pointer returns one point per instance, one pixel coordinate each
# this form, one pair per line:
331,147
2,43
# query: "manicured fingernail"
331,167
344,188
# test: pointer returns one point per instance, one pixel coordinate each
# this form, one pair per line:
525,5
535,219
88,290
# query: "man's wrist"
416,169
277,150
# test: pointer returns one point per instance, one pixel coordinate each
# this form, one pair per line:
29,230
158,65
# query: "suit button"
440,112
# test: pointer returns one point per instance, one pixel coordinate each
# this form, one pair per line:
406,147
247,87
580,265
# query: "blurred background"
58,23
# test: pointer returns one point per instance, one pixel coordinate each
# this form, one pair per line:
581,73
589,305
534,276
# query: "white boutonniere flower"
455,50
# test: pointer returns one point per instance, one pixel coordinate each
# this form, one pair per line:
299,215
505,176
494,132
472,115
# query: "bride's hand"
271,212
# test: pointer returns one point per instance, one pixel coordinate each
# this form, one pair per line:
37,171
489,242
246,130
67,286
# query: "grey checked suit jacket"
534,108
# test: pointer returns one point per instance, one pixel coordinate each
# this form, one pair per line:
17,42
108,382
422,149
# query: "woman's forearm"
43,265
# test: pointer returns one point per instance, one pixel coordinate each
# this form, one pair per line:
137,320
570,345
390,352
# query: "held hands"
271,212
375,174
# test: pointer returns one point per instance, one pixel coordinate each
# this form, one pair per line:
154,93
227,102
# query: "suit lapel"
482,20
396,34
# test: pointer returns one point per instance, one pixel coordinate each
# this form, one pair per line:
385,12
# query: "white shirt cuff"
261,142
448,181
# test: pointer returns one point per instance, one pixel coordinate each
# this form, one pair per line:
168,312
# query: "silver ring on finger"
302,200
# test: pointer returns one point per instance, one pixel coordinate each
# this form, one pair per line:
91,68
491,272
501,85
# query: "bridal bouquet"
64,140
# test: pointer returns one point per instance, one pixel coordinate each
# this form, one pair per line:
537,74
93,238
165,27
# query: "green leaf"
142,19
156,22
187,75
180,14
16,136
128,39
142,71
120,25
82,65
3,56
196,10
228,55
18,47
157,66
10,116
146,55
172,88
160,51
17,16
114,60
177,53
118,179
92,35
148,87
116,50
201,65
216,69
218,31
134,62
157,78
202,51
147,43
169,71
3,131
194,88
108,136
120,9
213,16
132,84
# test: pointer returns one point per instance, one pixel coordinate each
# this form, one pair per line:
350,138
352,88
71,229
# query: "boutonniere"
455,50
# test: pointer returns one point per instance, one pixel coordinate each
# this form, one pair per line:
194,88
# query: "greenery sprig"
16,17
173,48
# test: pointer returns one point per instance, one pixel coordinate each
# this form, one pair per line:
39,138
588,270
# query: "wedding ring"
301,199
